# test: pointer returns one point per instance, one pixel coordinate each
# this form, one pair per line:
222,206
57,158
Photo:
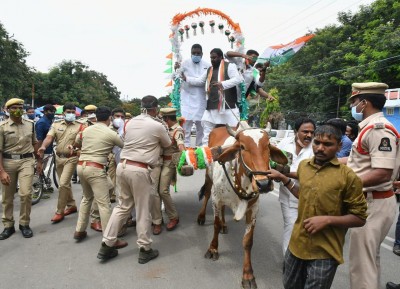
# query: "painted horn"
230,130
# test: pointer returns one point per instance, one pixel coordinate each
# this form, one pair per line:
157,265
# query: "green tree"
15,75
365,46
72,81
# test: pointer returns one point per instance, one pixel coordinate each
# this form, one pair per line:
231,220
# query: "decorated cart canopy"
190,24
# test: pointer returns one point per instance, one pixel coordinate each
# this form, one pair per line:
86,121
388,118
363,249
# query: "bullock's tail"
202,192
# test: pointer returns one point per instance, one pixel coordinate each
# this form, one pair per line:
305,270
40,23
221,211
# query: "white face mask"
118,122
357,115
70,117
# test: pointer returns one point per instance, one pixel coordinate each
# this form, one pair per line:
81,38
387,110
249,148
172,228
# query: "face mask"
50,116
70,117
31,116
196,58
16,113
358,116
118,122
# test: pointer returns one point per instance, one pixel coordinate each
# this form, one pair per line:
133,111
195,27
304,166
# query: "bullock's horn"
268,127
230,130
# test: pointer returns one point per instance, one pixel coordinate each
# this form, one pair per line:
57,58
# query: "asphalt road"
52,258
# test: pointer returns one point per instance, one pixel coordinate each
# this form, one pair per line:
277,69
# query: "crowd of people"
342,177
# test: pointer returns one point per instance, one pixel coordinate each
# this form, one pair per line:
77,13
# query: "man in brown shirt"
168,173
97,141
330,201
375,159
18,145
64,133
143,140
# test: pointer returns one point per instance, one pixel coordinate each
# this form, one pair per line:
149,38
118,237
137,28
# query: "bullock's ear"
277,155
229,153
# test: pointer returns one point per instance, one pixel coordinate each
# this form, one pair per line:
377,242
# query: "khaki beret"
168,111
368,87
90,107
13,101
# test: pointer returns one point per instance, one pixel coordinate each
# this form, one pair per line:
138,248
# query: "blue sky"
129,43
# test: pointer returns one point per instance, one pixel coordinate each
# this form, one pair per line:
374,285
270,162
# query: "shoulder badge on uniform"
379,125
385,146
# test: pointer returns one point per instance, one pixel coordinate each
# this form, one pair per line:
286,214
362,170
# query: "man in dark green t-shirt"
330,201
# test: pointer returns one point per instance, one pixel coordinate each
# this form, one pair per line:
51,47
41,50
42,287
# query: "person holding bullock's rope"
331,200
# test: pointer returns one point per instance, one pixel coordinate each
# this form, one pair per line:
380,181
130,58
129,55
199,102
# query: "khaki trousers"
365,242
167,174
112,173
155,209
94,212
94,186
65,169
135,186
20,171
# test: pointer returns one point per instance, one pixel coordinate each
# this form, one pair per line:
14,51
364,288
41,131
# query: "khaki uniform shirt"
17,138
382,148
177,136
143,140
331,190
97,142
64,134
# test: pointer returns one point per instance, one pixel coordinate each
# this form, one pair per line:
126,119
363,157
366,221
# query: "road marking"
390,248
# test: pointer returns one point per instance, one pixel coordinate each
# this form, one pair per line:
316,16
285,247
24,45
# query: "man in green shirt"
330,201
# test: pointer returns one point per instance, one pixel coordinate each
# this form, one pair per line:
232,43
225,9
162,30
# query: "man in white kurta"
221,81
193,95
301,143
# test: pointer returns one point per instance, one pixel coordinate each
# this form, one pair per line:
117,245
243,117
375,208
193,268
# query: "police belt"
18,157
133,163
380,194
91,164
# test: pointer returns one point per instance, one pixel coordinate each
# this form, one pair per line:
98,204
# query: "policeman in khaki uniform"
18,146
96,141
168,173
375,159
64,133
144,138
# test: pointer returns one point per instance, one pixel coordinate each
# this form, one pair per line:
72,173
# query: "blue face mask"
31,116
358,116
70,117
196,58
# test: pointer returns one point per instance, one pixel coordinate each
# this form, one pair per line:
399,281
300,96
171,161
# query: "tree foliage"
365,46
72,81
15,75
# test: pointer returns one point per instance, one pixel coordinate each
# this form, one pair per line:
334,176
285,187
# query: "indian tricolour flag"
279,54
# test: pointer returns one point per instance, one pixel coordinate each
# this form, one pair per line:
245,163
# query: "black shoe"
74,180
146,256
7,233
26,231
396,249
107,252
391,285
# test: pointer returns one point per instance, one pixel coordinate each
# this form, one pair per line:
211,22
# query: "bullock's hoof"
212,254
201,221
223,230
249,284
